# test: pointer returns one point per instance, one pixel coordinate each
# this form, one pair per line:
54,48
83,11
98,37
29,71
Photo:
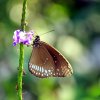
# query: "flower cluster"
22,37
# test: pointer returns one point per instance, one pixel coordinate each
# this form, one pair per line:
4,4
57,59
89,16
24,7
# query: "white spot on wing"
46,71
49,71
46,58
42,74
54,74
42,69
39,68
35,67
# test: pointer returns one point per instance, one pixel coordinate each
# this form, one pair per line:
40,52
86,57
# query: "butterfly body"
46,61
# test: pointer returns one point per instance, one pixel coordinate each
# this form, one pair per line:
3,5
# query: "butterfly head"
36,41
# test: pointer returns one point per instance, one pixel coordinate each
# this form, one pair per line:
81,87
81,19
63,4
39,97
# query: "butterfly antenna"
42,34
47,32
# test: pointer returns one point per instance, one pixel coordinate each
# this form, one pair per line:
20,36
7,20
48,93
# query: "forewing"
41,63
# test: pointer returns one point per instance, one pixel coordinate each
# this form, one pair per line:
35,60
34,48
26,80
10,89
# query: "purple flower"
22,37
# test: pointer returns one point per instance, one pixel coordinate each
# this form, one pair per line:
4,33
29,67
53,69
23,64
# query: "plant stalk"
21,56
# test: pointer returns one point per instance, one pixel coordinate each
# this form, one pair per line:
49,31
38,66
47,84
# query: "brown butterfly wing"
62,66
46,61
41,63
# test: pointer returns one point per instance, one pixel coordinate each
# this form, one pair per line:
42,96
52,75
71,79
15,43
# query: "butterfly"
45,61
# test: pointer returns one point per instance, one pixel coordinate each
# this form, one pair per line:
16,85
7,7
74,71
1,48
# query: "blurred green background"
76,36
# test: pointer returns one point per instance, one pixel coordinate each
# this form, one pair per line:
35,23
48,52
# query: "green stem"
20,71
21,57
23,22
